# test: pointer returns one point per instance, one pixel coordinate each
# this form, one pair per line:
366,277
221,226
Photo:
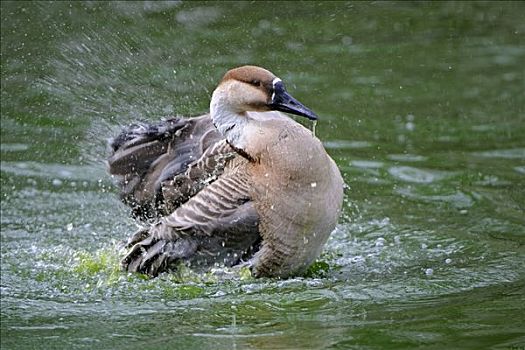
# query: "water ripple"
411,174
513,153
457,199
56,171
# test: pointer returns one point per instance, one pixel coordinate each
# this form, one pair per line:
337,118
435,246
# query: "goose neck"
231,123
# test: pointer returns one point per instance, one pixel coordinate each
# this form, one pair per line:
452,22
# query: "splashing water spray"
314,123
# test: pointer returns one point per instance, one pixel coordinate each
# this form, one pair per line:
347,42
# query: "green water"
422,105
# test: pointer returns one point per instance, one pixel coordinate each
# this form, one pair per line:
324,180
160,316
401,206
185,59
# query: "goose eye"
255,82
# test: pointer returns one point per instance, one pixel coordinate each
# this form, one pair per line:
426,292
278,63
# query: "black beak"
284,102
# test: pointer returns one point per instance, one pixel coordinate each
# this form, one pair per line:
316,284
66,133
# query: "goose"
244,185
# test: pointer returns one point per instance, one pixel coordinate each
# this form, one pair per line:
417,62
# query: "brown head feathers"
253,75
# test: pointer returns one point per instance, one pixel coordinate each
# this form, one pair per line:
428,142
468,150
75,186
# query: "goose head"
252,88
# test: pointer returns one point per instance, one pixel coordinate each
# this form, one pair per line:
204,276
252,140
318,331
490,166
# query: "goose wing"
217,225
152,160
182,174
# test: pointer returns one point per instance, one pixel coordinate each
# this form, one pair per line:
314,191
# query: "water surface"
421,106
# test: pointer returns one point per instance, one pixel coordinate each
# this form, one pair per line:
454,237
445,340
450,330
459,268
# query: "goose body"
243,184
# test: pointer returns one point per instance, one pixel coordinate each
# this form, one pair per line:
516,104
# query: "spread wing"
147,158
218,224
182,174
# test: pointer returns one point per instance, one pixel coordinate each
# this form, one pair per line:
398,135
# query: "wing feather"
214,228
187,178
168,159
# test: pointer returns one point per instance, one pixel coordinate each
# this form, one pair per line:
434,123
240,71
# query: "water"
421,105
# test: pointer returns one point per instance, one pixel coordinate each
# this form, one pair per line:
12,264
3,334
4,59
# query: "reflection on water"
421,105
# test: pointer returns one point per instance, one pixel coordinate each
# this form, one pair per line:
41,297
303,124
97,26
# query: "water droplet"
380,242
357,259
448,261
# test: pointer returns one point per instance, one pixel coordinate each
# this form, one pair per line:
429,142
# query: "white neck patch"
275,81
229,123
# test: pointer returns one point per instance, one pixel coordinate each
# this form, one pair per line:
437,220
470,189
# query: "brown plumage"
244,184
